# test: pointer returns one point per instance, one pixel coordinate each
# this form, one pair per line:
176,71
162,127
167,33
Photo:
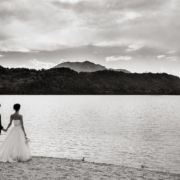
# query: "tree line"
61,81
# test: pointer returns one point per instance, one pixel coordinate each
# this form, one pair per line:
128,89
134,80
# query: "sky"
137,35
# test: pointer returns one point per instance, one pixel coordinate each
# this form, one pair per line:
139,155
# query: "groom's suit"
1,127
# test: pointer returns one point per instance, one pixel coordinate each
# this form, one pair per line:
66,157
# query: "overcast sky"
137,35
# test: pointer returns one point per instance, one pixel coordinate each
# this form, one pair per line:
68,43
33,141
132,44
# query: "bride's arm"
9,123
22,125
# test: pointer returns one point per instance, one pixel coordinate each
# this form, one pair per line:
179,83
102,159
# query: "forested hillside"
67,81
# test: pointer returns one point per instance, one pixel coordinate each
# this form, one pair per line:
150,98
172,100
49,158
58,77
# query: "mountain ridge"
86,66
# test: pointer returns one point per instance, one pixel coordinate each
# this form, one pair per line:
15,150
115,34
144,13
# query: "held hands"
27,140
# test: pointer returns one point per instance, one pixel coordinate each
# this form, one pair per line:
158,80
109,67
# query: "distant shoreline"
62,168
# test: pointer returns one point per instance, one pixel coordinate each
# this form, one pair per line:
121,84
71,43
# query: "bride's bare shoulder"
16,116
11,115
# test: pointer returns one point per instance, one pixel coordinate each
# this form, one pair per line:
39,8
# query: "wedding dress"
15,147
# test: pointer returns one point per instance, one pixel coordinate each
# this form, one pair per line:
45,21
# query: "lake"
124,130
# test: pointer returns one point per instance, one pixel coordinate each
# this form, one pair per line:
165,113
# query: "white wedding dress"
15,148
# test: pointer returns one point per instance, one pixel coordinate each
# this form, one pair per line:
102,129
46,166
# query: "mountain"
86,66
66,81
82,66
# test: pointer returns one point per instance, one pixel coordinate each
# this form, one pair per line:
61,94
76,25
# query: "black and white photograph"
89,90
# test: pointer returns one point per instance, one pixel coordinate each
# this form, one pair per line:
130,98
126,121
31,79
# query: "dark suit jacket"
1,127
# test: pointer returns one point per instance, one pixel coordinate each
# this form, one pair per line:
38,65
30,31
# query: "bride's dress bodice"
17,122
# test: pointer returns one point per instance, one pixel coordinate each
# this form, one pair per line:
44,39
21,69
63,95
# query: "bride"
15,146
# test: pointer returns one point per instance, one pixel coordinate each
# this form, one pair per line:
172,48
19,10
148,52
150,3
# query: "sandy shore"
56,168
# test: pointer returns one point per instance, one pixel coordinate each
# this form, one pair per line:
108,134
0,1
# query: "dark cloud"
137,5
110,5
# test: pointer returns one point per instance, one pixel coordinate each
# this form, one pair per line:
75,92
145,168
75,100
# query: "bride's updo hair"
17,107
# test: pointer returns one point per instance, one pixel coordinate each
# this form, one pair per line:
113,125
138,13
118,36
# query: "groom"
1,127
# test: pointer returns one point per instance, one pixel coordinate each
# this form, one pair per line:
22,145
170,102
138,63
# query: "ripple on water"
123,130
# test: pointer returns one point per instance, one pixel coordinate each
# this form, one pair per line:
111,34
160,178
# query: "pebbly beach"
57,168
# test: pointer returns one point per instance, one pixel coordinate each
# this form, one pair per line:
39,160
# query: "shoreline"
40,167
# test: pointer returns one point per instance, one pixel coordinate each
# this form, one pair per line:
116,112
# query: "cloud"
79,23
24,66
160,56
1,55
77,29
174,58
117,58
170,71
61,61
68,1
25,29
132,15
14,49
108,5
41,65
171,52
134,47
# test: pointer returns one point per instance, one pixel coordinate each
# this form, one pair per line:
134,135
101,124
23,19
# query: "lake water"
123,130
